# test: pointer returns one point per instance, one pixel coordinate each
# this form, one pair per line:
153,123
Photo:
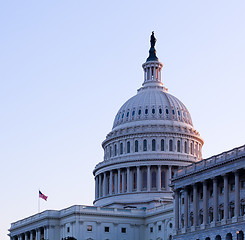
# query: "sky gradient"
66,67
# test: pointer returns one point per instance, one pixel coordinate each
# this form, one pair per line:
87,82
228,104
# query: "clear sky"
66,67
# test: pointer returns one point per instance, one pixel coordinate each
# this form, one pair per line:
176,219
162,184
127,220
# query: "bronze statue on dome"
153,40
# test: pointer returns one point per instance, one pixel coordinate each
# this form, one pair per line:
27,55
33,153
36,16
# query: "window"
185,147
68,229
139,112
128,147
170,225
89,228
201,217
110,151
151,229
122,115
127,114
153,111
136,146
171,145
162,179
159,227
221,190
144,179
107,229
166,111
183,200
233,187
178,146
243,184
153,179
191,197
145,145
146,111
210,215
123,230
134,180
153,145
115,150
211,192
162,145
201,194
160,111
191,218
133,113
121,148
173,112
191,148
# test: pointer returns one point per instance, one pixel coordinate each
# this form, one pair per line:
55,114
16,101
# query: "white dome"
152,104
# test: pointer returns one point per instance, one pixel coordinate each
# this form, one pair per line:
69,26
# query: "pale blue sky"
66,67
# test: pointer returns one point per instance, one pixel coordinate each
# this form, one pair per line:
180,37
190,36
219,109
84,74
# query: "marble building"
151,150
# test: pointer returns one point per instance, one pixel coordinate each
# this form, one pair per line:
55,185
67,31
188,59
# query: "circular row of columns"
119,183
34,234
205,201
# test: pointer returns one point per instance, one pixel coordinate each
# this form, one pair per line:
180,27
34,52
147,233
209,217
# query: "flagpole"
38,201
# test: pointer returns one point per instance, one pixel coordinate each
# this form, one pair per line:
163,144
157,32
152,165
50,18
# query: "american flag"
41,195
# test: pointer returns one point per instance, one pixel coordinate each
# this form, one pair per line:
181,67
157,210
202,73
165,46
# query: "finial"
152,52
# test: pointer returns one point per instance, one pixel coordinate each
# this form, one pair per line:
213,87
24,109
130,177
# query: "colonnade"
209,201
35,234
132,179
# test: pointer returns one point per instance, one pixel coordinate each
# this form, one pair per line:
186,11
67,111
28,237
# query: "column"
237,194
138,179
115,183
31,235
215,199
186,207
100,186
104,185
195,208
38,234
123,182
128,180
205,203
96,187
226,197
110,183
119,180
176,209
45,232
26,236
148,178
158,178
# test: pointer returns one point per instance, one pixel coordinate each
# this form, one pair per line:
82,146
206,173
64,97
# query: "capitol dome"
152,136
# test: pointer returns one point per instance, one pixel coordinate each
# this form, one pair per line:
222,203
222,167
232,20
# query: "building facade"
152,142
209,200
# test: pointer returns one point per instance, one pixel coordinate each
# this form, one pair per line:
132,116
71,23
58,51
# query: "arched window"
134,180
153,179
201,216
162,178
228,236
162,144
121,148
153,145
171,145
128,147
185,147
178,146
145,145
191,148
110,151
191,219
218,237
115,150
144,179
136,146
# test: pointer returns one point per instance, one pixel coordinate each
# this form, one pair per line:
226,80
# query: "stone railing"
217,159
